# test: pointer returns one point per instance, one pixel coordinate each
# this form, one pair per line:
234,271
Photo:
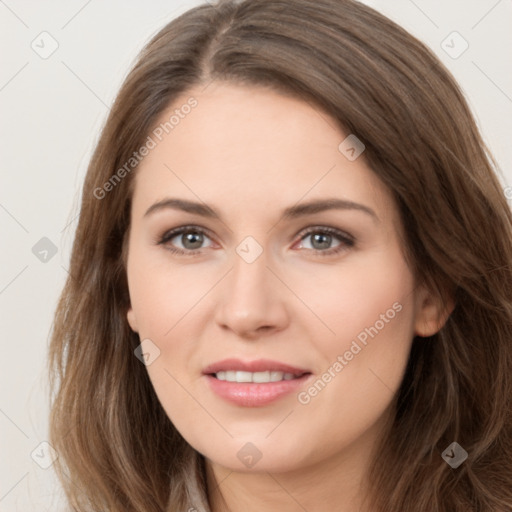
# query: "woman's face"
319,302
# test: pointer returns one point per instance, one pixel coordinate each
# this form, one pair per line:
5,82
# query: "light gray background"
51,113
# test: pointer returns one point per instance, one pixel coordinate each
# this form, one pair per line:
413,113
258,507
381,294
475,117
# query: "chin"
246,456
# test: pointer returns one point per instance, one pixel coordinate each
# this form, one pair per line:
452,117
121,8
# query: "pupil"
194,239
323,240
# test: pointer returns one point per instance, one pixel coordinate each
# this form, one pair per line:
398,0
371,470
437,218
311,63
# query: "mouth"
254,383
257,377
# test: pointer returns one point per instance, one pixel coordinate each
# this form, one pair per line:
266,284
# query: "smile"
254,383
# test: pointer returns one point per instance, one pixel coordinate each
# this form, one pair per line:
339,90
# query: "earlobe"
432,314
132,321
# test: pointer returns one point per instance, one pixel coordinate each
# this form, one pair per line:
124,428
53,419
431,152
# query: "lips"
261,365
253,383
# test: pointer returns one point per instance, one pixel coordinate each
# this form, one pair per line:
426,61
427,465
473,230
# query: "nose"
252,300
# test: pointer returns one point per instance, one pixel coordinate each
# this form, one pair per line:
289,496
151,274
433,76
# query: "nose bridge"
249,281
251,299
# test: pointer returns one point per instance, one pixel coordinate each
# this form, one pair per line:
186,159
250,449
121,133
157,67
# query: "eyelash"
347,241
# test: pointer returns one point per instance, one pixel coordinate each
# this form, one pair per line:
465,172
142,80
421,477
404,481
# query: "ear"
431,312
132,320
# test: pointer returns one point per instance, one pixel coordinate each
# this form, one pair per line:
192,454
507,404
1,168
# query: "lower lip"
251,394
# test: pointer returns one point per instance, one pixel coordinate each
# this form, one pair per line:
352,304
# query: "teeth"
276,376
243,377
258,377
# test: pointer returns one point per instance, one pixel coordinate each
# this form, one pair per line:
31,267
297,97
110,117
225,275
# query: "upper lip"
260,365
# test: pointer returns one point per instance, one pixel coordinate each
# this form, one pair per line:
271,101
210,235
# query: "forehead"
251,148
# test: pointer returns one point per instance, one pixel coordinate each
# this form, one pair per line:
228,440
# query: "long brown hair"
118,450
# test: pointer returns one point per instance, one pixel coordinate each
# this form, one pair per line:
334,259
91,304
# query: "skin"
249,153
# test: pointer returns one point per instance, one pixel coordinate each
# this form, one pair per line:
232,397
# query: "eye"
191,239
322,238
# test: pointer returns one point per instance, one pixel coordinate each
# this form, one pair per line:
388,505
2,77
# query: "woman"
290,286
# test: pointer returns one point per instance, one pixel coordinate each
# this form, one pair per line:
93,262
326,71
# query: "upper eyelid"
171,233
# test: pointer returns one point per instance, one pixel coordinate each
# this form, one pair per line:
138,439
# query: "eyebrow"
311,207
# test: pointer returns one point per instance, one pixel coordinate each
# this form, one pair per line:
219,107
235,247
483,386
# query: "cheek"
363,295
371,311
167,300
163,293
